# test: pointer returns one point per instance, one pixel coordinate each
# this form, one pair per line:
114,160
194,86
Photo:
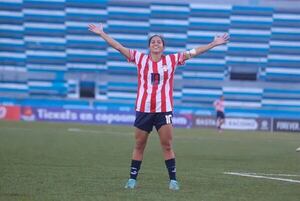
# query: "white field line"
280,175
75,130
254,175
78,130
17,128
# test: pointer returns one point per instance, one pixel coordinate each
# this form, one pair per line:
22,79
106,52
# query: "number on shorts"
168,118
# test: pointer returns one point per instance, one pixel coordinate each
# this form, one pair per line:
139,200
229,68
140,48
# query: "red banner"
10,112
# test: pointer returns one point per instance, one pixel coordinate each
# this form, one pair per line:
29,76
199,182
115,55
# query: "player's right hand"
96,29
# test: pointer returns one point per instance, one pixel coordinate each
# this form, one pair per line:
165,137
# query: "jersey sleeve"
179,58
134,56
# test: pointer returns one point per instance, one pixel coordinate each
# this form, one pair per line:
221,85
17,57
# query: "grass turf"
55,161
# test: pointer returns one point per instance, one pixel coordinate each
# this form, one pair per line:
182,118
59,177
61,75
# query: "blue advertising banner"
286,125
91,116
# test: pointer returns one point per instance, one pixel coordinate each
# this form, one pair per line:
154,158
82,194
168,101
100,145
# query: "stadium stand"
205,22
47,54
283,58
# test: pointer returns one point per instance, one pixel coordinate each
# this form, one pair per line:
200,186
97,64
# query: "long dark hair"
160,36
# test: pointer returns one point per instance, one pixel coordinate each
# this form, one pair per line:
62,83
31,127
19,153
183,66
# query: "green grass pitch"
60,162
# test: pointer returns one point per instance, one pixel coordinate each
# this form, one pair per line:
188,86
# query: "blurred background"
53,69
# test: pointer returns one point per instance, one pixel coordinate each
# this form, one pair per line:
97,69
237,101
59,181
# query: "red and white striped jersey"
219,105
155,81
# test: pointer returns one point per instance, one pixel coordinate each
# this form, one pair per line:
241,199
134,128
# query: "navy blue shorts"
146,121
220,115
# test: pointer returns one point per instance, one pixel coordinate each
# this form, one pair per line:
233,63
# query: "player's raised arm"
218,40
112,42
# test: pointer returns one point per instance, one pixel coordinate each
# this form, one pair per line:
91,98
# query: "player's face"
156,45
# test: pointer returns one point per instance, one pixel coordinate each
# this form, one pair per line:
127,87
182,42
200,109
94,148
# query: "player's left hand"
220,40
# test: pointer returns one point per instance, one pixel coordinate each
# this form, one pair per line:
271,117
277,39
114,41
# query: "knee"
140,146
167,146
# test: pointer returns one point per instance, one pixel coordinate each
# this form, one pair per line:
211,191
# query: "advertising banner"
235,123
91,116
204,121
10,113
255,124
287,125
127,118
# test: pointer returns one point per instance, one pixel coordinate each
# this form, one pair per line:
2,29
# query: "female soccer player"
154,102
219,107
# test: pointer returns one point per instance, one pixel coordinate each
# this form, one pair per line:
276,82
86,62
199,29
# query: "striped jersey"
219,105
155,81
